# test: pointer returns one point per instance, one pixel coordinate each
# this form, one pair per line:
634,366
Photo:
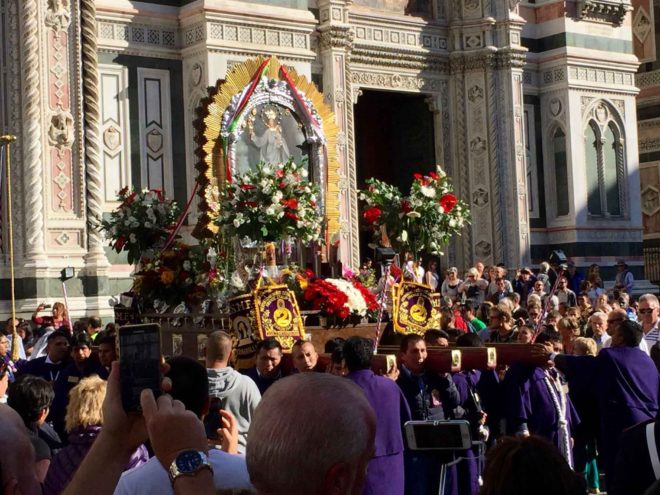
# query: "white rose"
132,239
304,172
429,192
147,225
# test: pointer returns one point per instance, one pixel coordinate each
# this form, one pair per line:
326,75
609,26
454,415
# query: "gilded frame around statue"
252,89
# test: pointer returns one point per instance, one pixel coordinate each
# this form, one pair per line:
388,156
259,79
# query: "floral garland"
423,221
271,203
141,223
341,298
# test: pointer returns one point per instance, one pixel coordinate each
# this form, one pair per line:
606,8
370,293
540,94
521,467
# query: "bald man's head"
218,349
615,318
322,448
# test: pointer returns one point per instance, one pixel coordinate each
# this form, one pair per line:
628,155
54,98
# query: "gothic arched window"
561,171
604,152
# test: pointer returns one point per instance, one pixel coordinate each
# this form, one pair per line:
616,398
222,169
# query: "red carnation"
120,243
448,201
279,173
281,185
418,176
290,203
290,215
246,187
433,175
372,214
405,206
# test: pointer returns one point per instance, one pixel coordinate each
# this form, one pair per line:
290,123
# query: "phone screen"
139,361
440,436
213,420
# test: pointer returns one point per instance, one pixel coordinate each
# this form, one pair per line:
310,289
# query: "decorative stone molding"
594,75
395,81
649,135
610,11
647,79
380,57
650,200
138,34
642,24
377,35
247,34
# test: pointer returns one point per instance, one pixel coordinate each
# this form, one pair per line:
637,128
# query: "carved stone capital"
510,58
336,37
468,61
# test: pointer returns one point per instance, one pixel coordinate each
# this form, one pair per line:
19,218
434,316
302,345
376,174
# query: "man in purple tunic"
624,382
385,475
537,404
470,409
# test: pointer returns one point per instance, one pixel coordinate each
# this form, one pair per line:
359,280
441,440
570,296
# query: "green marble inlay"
577,40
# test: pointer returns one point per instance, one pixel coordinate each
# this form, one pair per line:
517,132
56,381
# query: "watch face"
189,462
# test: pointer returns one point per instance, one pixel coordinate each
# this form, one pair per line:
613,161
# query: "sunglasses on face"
646,311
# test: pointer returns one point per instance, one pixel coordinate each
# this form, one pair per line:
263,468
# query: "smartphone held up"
139,363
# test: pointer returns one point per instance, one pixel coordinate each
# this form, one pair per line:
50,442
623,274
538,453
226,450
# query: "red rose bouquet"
423,221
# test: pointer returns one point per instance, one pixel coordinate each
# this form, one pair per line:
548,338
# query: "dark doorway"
393,140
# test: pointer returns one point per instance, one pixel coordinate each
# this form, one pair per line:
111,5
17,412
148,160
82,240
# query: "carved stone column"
336,42
31,135
95,258
489,148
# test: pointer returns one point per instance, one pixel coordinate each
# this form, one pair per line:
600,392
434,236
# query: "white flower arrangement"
356,303
271,203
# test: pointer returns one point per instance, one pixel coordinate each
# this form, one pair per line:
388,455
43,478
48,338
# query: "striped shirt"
653,335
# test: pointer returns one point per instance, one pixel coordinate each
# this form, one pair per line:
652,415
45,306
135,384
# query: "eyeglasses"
646,311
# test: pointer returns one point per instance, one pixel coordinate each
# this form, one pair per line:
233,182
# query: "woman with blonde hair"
84,420
60,317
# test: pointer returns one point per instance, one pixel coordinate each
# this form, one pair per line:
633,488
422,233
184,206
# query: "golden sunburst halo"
210,165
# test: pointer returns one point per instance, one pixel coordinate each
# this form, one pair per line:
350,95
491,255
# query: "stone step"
640,287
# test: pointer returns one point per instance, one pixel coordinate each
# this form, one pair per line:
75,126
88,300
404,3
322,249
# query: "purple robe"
385,475
467,470
624,382
529,401
39,367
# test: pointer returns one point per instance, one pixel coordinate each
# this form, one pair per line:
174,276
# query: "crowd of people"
586,415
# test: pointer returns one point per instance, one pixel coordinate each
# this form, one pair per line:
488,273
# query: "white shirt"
229,473
602,341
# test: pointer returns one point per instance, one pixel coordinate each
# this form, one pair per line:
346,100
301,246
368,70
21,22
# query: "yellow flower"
302,281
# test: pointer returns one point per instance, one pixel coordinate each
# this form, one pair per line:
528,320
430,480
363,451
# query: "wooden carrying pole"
6,141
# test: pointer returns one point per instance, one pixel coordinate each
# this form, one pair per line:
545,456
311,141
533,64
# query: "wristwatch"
189,463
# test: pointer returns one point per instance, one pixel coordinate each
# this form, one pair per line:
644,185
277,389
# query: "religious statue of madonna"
271,143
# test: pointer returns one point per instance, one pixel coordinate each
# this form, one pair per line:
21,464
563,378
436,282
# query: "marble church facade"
534,111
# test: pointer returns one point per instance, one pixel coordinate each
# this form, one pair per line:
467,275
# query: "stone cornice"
377,56
610,11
